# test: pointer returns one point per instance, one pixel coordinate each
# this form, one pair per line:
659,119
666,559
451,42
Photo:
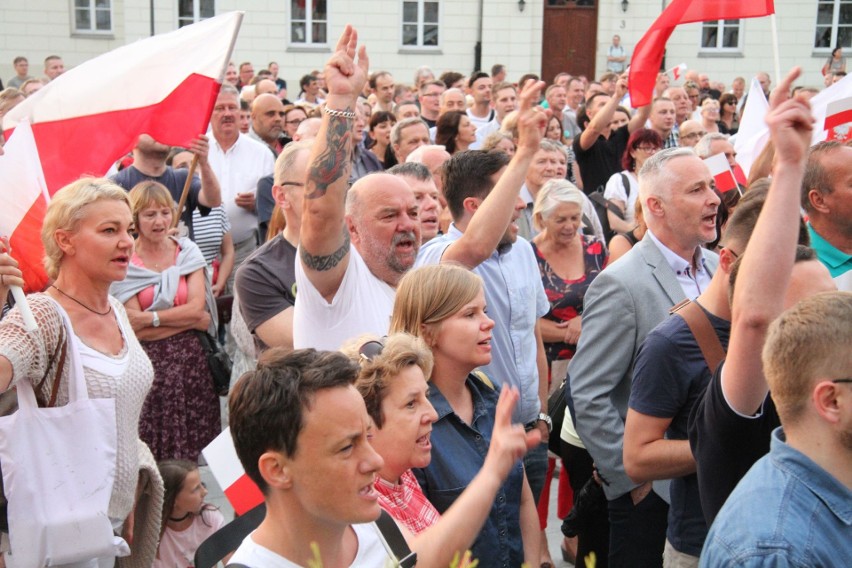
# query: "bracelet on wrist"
348,114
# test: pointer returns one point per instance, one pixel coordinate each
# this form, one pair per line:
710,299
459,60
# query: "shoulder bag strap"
393,536
58,376
700,326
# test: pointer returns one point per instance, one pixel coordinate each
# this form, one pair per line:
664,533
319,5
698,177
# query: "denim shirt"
786,511
458,453
516,300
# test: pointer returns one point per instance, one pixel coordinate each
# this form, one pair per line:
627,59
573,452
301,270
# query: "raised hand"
509,442
344,75
532,118
201,148
790,122
10,274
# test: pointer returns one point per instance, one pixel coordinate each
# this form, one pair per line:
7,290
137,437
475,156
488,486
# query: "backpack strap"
706,337
625,182
393,536
483,378
598,198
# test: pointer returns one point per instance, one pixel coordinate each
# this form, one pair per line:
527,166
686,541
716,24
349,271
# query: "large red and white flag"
23,202
243,493
648,54
165,86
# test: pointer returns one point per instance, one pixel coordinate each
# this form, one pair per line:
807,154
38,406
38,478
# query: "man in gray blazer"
624,303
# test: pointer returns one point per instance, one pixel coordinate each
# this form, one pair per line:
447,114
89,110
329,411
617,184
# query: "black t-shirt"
725,444
602,159
266,283
174,181
669,376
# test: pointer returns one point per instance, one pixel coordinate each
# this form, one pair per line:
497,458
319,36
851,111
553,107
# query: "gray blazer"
625,302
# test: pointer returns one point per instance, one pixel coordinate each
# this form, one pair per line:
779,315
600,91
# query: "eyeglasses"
295,121
431,95
842,381
294,183
693,135
370,350
731,103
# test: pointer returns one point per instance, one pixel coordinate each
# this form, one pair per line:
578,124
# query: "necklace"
183,518
81,303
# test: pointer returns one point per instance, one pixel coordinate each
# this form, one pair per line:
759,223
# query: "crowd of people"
414,270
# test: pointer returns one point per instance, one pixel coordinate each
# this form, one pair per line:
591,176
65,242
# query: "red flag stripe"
838,112
27,248
243,495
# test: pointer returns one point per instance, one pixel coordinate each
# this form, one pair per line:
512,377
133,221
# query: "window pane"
83,19
319,32
430,12
709,32
297,10
102,4
319,10
823,37
430,35
297,32
81,3
102,17
731,37
208,8
825,13
409,34
409,11
844,37
845,14
184,22
185,9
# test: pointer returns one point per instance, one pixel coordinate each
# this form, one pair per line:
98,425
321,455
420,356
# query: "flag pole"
24,308
185,193
776,58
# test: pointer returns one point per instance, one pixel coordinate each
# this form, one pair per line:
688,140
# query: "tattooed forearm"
323,263
333,163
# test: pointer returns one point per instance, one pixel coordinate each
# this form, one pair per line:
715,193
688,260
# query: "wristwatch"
156,321
544,417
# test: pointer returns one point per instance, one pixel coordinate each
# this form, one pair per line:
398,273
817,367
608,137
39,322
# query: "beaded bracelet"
339,113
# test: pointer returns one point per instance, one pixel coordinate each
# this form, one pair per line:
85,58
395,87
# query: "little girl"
187,519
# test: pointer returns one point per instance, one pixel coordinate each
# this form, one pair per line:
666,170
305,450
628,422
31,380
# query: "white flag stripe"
222,458
164,58
753,133
819,105
21,177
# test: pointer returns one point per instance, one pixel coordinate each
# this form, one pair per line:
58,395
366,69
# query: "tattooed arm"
324,239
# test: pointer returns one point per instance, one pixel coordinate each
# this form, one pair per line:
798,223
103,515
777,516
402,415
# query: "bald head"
433,157
691,131
266,87
267,118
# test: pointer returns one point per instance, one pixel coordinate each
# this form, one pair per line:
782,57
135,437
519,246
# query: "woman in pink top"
167,298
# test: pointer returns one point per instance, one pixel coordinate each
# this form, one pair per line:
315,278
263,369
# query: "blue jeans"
535,464
637,533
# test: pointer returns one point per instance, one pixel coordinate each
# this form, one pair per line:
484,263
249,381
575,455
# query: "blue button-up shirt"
458,453
786,511
515,298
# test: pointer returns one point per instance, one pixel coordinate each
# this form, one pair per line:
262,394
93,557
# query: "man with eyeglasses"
691,131
429,99
731,423
792,507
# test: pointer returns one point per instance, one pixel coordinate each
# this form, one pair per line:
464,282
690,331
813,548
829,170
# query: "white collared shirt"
693,280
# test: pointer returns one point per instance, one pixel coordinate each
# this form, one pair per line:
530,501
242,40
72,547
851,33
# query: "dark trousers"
593,535
637,533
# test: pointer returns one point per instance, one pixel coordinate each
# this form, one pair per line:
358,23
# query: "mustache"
403,237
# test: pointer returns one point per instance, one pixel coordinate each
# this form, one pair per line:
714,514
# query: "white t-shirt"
177,548
371,552
362,304
615,190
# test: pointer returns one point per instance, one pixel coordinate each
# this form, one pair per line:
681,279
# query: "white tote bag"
58,473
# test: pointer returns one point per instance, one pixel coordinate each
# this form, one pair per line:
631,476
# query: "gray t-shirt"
266,283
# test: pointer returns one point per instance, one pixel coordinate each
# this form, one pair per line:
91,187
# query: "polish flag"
721,172
165,86
838,112
243,494
832,109
23,202
648,54
753,135
677,72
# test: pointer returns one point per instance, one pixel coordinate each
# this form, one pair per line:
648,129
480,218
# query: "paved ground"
554,535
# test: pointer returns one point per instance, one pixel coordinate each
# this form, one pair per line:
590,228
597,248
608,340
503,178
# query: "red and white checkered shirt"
406,503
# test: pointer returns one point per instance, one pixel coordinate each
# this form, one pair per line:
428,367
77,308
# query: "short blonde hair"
428,295
401,350
146,193
808,342
554,193
68,208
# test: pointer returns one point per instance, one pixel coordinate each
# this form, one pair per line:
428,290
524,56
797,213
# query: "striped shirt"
208,231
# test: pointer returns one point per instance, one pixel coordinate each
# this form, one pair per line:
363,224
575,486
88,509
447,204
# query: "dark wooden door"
570,37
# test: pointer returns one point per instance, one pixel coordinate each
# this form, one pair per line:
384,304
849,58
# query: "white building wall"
796,27
37,28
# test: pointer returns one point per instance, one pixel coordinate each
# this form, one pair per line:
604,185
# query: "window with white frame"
720,35
192,11
833,24
309,22
420,25
92,16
